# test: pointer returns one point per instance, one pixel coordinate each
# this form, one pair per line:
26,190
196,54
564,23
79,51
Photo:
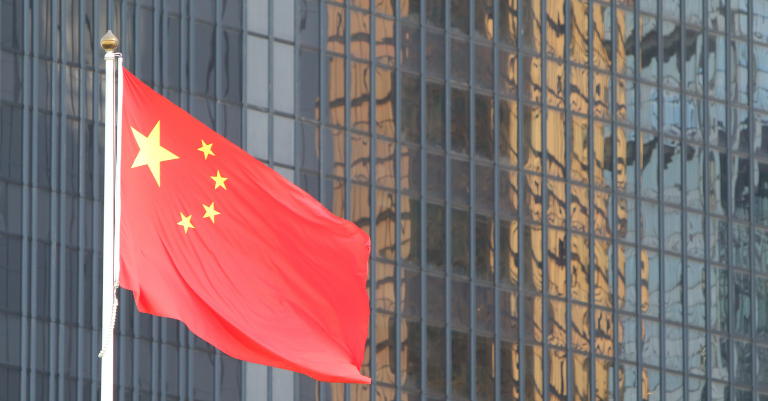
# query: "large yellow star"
186,222
210,212
206,149
150,151
219,180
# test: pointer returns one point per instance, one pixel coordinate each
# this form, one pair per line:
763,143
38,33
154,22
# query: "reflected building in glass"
567,200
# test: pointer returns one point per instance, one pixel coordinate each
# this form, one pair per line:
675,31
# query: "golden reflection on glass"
338,141
484,19
602,95
581,377
602,141
385,41
603,277
579,90
555,84
579,32
385,163
556,207
534,313
644,276
580,150
533,206
508,198
625,27
579,268
507,73
386,7
556,143
621,270
604,380
509,251
508,132
556,263
602,37
557,324
385,287
359,35
622,155
410,354
510,370
602,217
385,102
621,101
410,168
531,25
558,375
360,165
579,208
556,28
508,22
336,94
532,81
385,348
532,138
338,203
534,373
360,91
360,207
533,258
385,224
604,332
335,42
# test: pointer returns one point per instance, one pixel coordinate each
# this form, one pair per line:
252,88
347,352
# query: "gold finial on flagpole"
109,41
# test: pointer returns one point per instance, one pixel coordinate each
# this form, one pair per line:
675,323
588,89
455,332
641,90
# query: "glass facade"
567,200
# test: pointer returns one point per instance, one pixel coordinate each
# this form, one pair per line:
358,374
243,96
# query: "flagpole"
109,42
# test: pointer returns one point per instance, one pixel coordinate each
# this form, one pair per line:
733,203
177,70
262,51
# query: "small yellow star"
219,180
210,212
206,149
186,222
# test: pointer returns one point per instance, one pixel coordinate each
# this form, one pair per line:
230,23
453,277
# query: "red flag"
250,262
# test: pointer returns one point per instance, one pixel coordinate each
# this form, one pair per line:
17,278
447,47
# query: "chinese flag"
250,262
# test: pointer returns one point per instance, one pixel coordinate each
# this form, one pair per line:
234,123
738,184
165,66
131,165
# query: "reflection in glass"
649,224
718,179
436,359
740,246
672,63
435,55
459,121
508,251
649,59
604,374
532,78
460,242
717,62
696,292
336,93
436,238
359,92
555,20
385,41
555,84
533,197
532,255
410,109
580,327
510,370
673,235
739,72
385,105
602,37
649,177
335,40
534,373
435,115
627,338
410,230
556,263
742,304
625,46
460,60
460,188
410,48
410,167
508,132
508,324
760,84
385,348
460,293
484,66
697,352
761,318
531,25
484,368
385,224
580,149
673,340
558,374
603,280
460,16
649,284
484,126
579,208
484,187
603,332
581,377
484,319
507,72
556,205
460,364
627,279
580,90
484,248
436,298
508,197
410,343
695,60
718,293
603,147
484,19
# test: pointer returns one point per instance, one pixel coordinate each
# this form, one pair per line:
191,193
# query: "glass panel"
460,121
556,203
360,35
508,252
761,303
336,93
628,338
625,46
410,48
460,60
603,280
719,302
556,262
672,54
460,364
649,57
507,72
579,208
436,359
484,66
484,19
385,41
580,149
534,373
697,352
460,244
533,258
436,238
740,245
760,84
603,145
556,324
435,55
410,106
532,200
484,187
335,40
649,179
627,271
742,304
411,353
580,268
649,276
508,322
484,127
581,377
484,268
531,26
435,115
580,327
604,323
651,343
360,93
532,78
510,370
508,188
761,250
555,84
604,374
410,230
484,319
580,90
508,132
485,373
579,45
460,16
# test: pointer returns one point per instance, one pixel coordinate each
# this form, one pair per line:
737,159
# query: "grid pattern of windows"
51,191
566,198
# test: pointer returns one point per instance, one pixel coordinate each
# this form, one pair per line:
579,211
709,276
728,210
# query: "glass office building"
567,200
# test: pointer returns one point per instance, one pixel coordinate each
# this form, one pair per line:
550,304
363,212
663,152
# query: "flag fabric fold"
247,260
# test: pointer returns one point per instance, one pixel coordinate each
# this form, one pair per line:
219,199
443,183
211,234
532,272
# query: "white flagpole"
109,43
